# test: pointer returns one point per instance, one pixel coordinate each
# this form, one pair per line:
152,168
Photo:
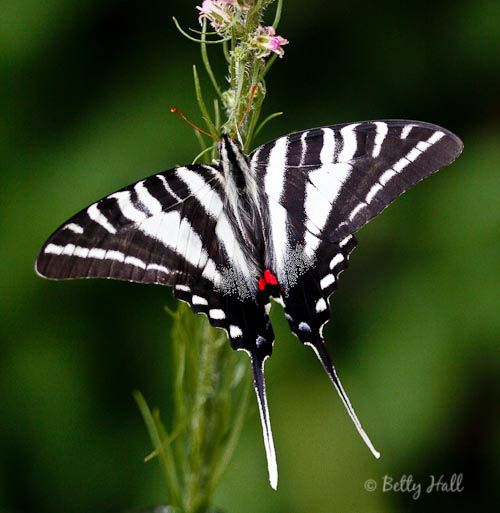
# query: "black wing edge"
368,124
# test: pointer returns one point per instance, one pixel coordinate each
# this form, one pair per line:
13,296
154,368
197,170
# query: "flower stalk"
211,384
211,397
250,49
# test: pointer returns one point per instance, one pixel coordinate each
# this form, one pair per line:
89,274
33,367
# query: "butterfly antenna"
320,350
247,111
260,390
175,110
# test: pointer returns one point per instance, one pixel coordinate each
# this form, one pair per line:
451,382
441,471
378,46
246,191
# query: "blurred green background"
86,89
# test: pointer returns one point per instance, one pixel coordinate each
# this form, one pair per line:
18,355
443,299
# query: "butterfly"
278,223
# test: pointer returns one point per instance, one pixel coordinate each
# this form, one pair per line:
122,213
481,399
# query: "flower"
219,13
265,41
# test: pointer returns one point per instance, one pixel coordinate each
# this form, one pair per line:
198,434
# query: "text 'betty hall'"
435,484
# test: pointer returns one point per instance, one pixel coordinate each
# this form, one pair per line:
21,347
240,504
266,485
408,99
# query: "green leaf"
156,433
191,38
266,121
202,105
203,152
206,61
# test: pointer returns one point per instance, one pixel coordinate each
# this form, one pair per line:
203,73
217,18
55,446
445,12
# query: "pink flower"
265,40
219,13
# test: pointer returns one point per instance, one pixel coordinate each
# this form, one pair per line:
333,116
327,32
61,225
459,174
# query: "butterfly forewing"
334,179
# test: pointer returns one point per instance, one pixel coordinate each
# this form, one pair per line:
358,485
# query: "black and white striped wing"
249,329
323,185
169,229
172,229
154,231
328,182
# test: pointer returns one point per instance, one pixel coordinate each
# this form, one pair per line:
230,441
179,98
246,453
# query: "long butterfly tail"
323,356
260,390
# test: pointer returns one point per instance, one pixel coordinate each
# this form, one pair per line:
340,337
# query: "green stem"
206,61
259,98
211,396
218,126
201,141
202,105
277,17
268,66
180,372
232,441
217,114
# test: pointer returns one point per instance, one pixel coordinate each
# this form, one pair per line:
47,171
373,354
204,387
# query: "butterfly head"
232,157
229,146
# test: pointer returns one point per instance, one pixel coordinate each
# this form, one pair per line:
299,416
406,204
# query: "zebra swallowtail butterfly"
278,223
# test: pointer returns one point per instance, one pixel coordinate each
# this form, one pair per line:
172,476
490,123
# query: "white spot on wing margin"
380,136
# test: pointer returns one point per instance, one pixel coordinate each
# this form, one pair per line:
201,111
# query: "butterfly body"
279,223
244,205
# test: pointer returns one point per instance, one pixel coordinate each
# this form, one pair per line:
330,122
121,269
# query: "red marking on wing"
267,279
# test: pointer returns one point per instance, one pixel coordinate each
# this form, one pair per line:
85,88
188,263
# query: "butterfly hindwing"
307,309
307,301
249,329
